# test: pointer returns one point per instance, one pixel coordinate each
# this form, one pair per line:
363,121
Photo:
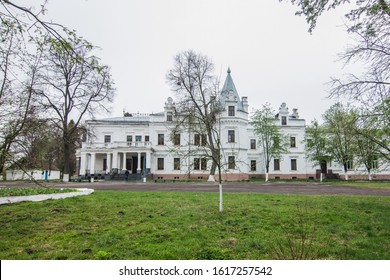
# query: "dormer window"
231,111
284,120
169,116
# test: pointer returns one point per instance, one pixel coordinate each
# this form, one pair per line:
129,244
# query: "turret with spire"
229,95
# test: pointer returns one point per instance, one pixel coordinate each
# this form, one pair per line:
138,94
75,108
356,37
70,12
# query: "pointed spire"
229,89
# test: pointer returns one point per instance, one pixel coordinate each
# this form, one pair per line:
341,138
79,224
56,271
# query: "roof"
229,92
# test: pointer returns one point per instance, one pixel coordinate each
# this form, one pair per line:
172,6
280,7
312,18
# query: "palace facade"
140,146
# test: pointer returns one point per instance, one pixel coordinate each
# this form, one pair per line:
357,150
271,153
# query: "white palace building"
140,146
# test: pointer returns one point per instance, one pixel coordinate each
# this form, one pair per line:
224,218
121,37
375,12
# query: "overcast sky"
272,56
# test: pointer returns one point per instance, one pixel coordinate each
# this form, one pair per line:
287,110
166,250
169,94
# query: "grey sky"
271,55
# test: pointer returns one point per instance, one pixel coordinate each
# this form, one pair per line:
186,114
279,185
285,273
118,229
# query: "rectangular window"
160,163
176,139
204,140
197,139
284,120
196,164
374,163
349,164
146,138
138,138
276,164
107,138
129,138
176,163
293,164
160,140
253,144
231,111
293,142
203,164
231,162
169,116
231,136
253,165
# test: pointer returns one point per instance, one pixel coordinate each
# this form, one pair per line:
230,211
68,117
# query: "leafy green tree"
18,76
317,146
368,25
339,122
272,142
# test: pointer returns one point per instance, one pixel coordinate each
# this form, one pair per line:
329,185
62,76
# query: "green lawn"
4,192
168,225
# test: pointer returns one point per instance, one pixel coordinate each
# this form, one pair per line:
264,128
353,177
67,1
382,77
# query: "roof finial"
228,71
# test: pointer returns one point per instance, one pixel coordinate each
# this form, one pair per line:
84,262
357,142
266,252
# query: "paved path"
42,197
228,187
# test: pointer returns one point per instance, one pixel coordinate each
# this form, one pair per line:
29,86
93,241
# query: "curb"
42,197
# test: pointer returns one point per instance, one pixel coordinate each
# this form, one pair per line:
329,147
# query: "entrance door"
128,163
135,165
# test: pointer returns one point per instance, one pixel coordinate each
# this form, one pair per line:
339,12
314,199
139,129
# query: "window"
204,140
203,164
147,138
276,164
176,163
293,164
138,138
197,139
253,165
349,164
374,163
169,116
160,163
129,138
176,139
160,140
293,142
231,111
231,136
253,144
231,162
284,120
107,138
196,163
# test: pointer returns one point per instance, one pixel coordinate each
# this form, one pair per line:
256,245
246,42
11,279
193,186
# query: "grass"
171,225
31,191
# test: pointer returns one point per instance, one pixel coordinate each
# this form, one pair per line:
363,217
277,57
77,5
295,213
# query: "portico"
114,161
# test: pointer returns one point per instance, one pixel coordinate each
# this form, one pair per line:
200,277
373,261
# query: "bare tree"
196,88
71,87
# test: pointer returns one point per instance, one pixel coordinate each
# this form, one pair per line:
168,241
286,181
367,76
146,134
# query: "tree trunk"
67,156
220,189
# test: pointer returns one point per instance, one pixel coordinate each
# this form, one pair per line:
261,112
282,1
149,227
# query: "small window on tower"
231,111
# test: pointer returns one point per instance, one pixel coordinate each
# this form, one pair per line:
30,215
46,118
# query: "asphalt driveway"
311,188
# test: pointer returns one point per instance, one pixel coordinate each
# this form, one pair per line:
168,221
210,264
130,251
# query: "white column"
93,159
148,160
108,167
83,163
124,161
139,163
115,159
